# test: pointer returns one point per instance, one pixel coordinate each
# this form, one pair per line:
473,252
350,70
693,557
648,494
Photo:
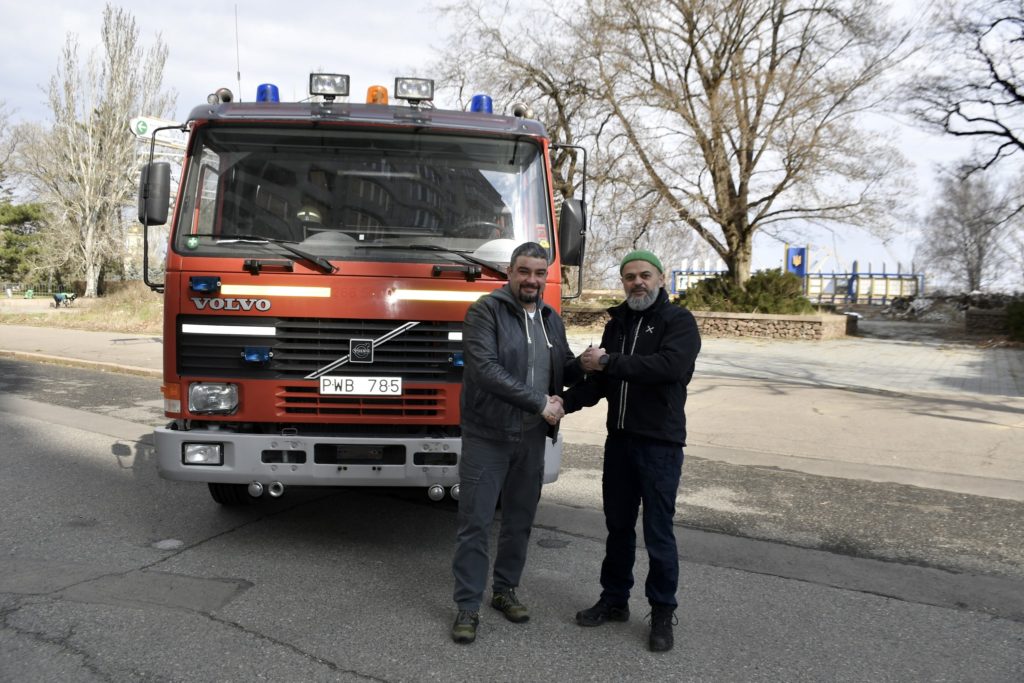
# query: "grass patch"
133,308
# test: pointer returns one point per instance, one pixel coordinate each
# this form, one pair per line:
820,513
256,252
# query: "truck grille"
425,353
414,403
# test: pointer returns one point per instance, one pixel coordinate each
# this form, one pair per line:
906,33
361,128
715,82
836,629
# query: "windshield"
359,195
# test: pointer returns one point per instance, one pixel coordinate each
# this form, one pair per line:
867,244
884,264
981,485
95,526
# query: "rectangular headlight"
202,454
208,398
414,89
328,85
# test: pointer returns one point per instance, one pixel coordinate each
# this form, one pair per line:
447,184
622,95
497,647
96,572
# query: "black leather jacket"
495,393
651,356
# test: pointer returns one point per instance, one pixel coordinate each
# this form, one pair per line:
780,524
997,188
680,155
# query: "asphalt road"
109,573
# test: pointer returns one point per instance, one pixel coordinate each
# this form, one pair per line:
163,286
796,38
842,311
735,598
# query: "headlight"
210,398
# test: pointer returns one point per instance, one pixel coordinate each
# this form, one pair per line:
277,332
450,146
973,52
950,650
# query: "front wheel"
230,494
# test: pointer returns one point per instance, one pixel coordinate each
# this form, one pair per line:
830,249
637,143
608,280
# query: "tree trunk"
91,278
739,266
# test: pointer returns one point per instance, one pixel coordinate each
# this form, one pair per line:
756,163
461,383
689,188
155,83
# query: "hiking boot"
602,612
508,604
662,618
464,628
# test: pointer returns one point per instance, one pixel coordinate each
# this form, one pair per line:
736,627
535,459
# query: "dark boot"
602,612
662,619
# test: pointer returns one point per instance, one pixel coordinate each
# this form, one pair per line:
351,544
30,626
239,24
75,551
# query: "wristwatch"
603,360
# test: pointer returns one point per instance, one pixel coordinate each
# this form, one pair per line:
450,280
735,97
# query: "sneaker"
508,604
602,612
662,619
464,628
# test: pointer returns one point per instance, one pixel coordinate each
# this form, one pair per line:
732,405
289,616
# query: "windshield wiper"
465,256
319,261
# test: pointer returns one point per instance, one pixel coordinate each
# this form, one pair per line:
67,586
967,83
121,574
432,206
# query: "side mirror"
154,193
572,228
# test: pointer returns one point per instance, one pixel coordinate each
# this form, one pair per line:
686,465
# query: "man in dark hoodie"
517,362
642,367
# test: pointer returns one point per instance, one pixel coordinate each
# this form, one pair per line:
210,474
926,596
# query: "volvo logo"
228,304
360,350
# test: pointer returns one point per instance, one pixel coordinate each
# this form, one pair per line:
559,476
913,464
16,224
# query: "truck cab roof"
371,114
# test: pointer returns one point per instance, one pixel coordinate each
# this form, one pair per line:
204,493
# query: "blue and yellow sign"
796,261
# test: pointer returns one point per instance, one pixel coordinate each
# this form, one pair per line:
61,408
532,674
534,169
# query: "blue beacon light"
267,92
481,104
257,354
204,283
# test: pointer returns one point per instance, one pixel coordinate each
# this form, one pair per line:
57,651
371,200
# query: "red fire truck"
321,258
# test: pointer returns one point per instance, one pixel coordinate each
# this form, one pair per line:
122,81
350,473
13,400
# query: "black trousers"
640,471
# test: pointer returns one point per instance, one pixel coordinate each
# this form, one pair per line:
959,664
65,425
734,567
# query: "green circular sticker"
141,127
192,242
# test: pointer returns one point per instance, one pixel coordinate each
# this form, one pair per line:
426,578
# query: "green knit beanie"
641,255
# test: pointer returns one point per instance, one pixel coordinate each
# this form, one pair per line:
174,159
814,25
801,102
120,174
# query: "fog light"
206,398
202,454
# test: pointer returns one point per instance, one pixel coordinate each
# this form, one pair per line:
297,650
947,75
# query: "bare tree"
976,90
744,113
491,52
82,167
8,143
967,236
497,49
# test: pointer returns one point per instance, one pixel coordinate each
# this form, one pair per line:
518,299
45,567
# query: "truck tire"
230,494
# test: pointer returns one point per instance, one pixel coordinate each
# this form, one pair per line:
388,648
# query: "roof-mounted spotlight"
328,86
415,90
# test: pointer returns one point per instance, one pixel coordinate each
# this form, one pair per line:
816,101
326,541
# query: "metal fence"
831,288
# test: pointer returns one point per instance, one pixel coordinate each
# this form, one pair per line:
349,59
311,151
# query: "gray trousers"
487,469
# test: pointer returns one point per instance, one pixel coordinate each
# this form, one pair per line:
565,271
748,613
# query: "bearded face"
641,282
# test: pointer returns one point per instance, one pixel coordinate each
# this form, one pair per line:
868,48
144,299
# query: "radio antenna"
238,60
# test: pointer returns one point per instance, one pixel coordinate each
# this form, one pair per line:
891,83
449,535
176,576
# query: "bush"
1015,319
767,291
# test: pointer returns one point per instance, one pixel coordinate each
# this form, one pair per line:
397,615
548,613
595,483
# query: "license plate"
361,386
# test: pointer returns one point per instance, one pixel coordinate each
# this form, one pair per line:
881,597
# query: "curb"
81,363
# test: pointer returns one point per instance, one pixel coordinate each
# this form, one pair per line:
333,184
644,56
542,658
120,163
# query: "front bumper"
245,461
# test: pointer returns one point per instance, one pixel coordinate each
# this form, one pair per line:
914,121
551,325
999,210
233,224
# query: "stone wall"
711,324
813,327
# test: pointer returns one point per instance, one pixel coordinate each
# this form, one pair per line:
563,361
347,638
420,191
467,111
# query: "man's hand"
589,360
553,410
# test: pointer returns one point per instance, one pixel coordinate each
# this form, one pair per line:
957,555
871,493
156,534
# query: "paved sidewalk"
926,413
932,414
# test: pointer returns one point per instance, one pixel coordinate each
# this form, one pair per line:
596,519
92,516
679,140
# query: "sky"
372,42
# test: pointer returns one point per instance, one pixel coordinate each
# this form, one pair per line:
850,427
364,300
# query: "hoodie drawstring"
544,328
526,323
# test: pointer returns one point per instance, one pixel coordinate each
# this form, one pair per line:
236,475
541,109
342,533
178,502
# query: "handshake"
554,410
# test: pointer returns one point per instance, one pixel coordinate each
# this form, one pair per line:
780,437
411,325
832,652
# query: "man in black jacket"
517,362
642,367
